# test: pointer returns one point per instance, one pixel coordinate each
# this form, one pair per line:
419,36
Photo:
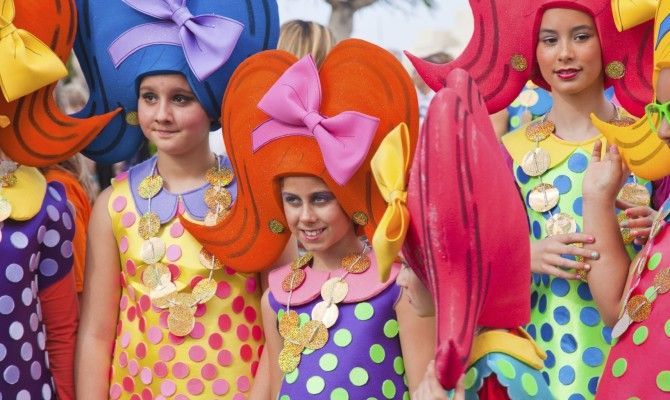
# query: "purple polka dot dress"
34,255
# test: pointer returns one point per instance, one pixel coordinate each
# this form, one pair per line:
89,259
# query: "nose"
566,51
307,214
163,112
664,130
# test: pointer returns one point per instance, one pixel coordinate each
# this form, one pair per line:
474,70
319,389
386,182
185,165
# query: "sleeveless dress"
565,322
218,359
362,358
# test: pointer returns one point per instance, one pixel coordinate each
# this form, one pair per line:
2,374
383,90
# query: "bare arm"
269,376
417,339
97,329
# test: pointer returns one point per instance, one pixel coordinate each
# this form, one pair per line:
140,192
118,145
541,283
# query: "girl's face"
418,294
170,115
313,214
568,52
662,96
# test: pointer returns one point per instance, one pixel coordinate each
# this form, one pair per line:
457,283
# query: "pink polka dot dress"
219,357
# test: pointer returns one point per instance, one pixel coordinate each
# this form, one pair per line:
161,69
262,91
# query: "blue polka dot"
584,291
533,299
542,306
545,375
545,280
547,332
560,287
531,331
561,315
521,176
576,396
568,343
566,375
593,385
537,229
593,357
578,162
577,206
551,360
563,184
607,334
536,278
589,316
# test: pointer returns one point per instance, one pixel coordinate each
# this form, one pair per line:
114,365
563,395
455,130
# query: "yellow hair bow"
27,63
389,168
630,13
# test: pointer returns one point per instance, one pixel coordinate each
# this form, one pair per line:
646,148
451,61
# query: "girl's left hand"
430,388
640,220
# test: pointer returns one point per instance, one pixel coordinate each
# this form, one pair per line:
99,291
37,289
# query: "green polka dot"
654,261
640,335
292,376
388,389
280,314
405,396
342,337
358,376
529,384
507,369
315,385
399,365
307,351
364,311
339,394
377,353
470,378
284,397
619,367
667,328
391,328
650,293
304,318
515,121
633,398
328,362
663,381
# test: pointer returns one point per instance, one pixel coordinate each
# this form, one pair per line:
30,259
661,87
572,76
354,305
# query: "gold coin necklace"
314,334
7,180
157,276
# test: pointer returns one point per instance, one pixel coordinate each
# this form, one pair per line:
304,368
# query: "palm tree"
341,21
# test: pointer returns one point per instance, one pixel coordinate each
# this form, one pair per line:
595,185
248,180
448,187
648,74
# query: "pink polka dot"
155,335
115,391
173,252
181,397
128,384
230,271
125,339
245,352
254,368
123,303
224,322
176,230
168,388
242,332
196,353
215,341
198,331
200,310
257,333
208,371
223,290
135,396
251,285
162,319
123,359
194,386
220,387
160,369
145,376
122,176
250,314
133,368
141,350
224,358
260,351
243,384
145,303
123,244
131,292
239,396
176,339
180,370
174,271
131,314
130,267
146,394
195,280
180,206
166,353
142,324
238,304
119,203
128,219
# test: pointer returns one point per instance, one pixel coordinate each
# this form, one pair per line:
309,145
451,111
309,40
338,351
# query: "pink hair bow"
293,104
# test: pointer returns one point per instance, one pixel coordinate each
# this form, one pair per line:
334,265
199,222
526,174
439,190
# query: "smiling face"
418,294
568,52
170,115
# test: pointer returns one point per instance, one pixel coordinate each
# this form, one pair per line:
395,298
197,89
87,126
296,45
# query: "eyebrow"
575,29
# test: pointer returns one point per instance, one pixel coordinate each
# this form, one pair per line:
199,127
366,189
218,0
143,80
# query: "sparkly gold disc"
218,196
536,162
165,301
8,180
288,362
315,334
360,218
204,290
209,260
625,232
543,197
293,280
181,320
325,312
539,130
164,293
662,281
213,217
638,308
219,177
518,62
5,209
561,223
150,186
334,290
302,261
275,226
186,300
288,322
149,225
615,70
153,250
355,263
635,193
151,277
622,121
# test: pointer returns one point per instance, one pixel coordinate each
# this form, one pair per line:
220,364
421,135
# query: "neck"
330,259
571,113
184,172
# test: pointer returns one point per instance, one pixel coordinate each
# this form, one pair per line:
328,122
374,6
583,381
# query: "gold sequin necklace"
314,334
7,180
157,276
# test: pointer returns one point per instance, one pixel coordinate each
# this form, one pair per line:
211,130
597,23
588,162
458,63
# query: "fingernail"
587,267
595,255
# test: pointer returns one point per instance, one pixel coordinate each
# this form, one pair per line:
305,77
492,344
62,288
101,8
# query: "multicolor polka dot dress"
218,359
362,358
34,254
564,319
638,366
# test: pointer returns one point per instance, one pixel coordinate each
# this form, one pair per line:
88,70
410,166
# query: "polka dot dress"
564,319
638,366
34,254
218,359
362,358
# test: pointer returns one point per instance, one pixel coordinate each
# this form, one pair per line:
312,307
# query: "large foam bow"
631,13
208,40
293,104
389,168
27,63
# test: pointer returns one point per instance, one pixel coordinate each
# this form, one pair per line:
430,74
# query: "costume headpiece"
465,240
282,117
35,40
120,42
501,53
645,153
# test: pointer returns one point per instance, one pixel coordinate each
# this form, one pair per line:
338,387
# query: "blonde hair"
300,38
77,166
